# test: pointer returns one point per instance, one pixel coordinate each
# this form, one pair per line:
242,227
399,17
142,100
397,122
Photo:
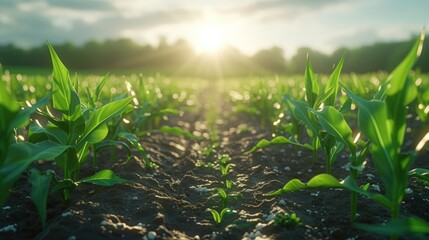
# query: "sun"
210,39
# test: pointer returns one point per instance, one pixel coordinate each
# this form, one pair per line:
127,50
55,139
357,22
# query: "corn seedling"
286,220
304,112
218,216
77,128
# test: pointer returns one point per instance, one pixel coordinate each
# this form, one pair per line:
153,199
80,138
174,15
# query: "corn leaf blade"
105,178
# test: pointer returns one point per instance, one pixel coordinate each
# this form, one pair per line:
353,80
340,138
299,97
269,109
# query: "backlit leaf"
105,178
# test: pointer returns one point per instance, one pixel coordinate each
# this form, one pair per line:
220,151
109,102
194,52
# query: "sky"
249,25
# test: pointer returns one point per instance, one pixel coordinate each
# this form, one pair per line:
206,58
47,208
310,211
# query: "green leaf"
222,193
105,178
311,86
276,141
98,134
373,123
401,226
100,116
333,84
38,133
20,156
300,111
351,184
319,181
334,123
216,216
177,131
99,88
400,73
402,91
39,191
64,184
65,99
112,143
421,173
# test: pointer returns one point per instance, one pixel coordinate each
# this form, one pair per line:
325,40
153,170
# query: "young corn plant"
16,157
289,221
383,121
305,112
76,127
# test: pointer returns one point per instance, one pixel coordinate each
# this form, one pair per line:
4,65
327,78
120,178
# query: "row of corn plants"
381,132
69,126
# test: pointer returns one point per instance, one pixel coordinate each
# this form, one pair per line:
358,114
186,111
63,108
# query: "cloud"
82,5
277,9
30,23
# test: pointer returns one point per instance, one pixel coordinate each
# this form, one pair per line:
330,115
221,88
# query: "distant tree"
180,58
321,63
271,59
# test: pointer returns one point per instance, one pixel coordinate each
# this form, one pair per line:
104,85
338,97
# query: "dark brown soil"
167,202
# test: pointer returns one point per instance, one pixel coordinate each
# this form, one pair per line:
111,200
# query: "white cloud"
322,24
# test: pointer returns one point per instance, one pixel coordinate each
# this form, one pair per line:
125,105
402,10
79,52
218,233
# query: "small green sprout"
202,164
228,184
224,164
289,221
218,217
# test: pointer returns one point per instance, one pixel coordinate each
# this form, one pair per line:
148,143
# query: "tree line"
179,58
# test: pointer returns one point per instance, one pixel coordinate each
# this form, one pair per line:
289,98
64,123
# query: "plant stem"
66,191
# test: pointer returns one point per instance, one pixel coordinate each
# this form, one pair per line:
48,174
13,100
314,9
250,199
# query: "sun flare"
210,39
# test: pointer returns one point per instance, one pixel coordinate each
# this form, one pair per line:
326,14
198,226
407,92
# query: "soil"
168,203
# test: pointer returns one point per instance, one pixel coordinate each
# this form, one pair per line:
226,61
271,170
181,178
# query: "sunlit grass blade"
105,178
177,131
311,86
333,84
276,141
319,181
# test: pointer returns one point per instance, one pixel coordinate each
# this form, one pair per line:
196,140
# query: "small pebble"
72,238
376,187
9,228
65,214
104,222
6,207
287,168
408,191
135,198
259,226
370,176
151,235
282,202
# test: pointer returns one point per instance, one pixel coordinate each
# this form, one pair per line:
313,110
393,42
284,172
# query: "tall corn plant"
16,157
383,121
77,127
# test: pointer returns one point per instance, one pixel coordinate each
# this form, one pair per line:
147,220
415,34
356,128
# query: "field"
137,156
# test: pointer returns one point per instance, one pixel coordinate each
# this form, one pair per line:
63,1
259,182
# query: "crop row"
71,123
68,122
316,120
